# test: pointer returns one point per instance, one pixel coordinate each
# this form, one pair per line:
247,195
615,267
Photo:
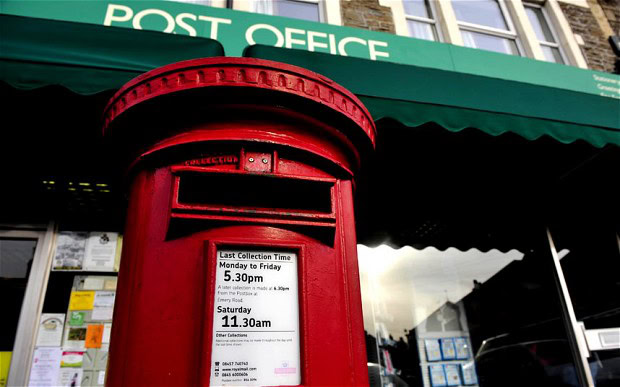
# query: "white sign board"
255,319
45,366
100,251
50,330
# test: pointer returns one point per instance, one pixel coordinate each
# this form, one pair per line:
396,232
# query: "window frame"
32,305
433,21
319,3
552,28
510,33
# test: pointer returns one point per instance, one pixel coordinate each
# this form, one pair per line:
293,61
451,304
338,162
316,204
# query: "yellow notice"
82,300
5,361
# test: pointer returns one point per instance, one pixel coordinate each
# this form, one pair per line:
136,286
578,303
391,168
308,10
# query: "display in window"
453,374
103,305
45,366
70,248
469,374
100,251
87,251
433,350
75,338
437,375
448,352
50,330
82,300
72,377
94,336
76,318
462,349
72,359
83,352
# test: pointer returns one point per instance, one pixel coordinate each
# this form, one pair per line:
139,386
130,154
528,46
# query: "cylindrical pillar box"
239,260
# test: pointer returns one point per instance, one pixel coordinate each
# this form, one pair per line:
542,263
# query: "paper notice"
94,334
102,313
45,366
109,284
50,330
82,300
76,318
70,247
100,251
107,330
70,377
72,359
261,317
75,338
93,283
104,299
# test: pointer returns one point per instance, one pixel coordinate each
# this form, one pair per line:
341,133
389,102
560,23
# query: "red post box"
239,259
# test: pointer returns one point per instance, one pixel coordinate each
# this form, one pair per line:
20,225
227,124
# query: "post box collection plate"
255,317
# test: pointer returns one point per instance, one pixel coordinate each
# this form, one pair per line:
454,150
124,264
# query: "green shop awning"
417,95
87,58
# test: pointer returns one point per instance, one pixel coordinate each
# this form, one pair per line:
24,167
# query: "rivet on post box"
239,262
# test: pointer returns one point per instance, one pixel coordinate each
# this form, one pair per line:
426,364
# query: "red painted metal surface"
197,165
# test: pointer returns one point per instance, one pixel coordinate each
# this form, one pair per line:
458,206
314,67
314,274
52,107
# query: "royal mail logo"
285,369
213,160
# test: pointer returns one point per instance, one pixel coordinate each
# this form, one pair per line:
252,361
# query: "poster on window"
433,351
462,348
50,330
70,248
448,351
437,375
100,251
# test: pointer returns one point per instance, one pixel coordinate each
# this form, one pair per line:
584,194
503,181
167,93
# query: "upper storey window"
201,2
421,19
485,24
297,9
545,35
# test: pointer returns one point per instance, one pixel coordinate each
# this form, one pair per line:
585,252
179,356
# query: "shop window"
73,333
420,15
544,33
463,318
485,24
311,10
591,269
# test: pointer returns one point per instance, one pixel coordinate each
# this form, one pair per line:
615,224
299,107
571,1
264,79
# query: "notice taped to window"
255,319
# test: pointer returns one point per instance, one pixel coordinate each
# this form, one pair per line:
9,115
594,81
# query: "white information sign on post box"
256,319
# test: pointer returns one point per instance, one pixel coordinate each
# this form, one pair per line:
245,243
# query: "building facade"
486,221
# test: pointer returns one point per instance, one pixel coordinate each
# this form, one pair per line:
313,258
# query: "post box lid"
248,73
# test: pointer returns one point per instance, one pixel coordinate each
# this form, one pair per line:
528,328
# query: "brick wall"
367,14
611,9
597,50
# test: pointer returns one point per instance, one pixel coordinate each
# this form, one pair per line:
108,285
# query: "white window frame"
432,21
207,3
510,33
329,10
551,27
320,3
34,296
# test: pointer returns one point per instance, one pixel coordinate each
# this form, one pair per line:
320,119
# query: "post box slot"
245,191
